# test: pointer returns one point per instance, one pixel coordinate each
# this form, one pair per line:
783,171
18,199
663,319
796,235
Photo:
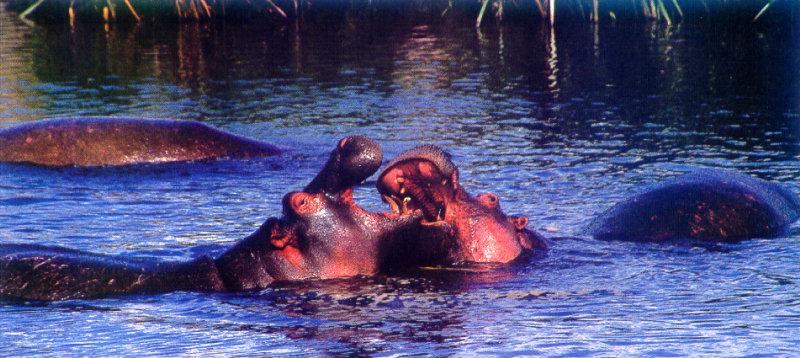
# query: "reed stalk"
663,10
481,13
132,10
677,7
764,9
30,9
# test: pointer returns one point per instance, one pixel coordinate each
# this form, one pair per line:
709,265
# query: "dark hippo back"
119,141
55,273
705,204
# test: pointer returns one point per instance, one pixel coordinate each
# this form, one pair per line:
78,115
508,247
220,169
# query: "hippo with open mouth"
120,141
425,178
322,234
702,205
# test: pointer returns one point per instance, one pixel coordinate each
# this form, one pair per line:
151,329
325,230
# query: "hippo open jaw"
416,185
421,179
476,228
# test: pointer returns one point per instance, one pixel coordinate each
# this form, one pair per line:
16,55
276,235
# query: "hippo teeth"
392,204
406,205
416,184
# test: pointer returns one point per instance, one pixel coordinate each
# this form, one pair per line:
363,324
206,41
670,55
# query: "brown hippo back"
120,141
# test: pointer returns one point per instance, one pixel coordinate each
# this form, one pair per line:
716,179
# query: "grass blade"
30,9
663,11
764,9
206,8
540,7
480,14
133,11
278,9
677,7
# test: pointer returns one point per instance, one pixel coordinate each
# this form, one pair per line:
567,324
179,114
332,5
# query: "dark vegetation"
481,11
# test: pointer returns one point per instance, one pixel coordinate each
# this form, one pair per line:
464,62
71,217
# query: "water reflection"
552,62
539,63
375,314
605,99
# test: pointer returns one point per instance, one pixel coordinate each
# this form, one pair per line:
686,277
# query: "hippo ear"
519,222
343,142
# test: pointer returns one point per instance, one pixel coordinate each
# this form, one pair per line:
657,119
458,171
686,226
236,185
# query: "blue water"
560,124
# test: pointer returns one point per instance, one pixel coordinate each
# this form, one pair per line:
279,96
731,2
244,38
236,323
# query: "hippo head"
425,178
323,233
323,236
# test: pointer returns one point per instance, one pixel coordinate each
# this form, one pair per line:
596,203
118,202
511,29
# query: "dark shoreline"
477,11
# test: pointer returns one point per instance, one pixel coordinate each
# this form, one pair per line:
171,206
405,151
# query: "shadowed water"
559,123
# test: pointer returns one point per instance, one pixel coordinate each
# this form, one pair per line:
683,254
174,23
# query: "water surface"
559,123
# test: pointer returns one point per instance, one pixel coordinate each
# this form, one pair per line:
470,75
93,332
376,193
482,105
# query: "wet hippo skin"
322,234
120,141
707,204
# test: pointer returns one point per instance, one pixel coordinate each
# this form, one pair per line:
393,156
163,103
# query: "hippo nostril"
299,200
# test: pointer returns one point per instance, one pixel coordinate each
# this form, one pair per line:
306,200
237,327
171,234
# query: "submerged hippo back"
118,141
706,204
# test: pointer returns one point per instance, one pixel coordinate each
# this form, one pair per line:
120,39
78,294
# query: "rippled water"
561,124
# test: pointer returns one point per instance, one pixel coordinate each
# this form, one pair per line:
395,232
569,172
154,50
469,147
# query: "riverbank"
482,12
